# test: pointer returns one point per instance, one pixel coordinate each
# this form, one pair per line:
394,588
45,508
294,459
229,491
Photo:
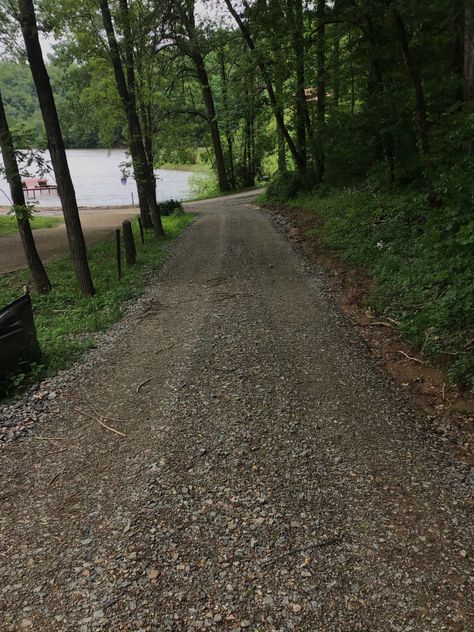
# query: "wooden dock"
34,186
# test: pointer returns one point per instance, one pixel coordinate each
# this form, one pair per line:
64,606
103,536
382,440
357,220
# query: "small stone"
296,607
152,573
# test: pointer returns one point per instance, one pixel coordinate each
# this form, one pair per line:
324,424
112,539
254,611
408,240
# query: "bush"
284,186
168,207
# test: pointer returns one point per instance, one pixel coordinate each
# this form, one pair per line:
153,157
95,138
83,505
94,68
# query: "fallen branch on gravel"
50,438
55,477
143,384
99,420
411,358
302,549
165,348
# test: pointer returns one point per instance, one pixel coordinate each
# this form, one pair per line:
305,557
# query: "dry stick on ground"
99,414
411,358
99,420
381,323
55,477
143,384
301,549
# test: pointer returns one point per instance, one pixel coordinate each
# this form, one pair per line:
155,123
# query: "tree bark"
469,52
208,99
295,8
127,96
35,265
227,130
268,84
321,84
420,105
57,151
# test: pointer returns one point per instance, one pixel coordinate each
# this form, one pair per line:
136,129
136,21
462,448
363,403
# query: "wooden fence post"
140,226
118,254
129,243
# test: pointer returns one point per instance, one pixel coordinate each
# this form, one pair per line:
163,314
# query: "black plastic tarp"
18,341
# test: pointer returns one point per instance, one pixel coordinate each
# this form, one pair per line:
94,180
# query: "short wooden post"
129,243
118,254
140,226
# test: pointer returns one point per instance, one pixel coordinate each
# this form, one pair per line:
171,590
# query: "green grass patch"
421,260
66,322
8,223
199,167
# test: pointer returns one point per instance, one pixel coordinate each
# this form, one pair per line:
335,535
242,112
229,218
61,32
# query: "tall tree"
77,246
125,81
35,265
469,52
321,83
299,161
420,104
183,29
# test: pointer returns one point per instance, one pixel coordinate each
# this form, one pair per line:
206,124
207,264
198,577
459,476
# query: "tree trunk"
228,133
35,265
469,52
336,71
208,99
321,84
66,191
137,150
268,84
295,8
420,106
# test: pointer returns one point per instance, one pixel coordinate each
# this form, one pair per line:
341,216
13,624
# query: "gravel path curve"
270,477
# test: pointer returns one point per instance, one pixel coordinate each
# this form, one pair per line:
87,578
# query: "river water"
97,179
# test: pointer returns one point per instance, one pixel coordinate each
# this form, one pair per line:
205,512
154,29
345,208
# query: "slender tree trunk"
208,99
279,96
457,19
228,133
469,53
321,84
420,105
137,150
35,265
295,9
268,84
66,191
336,71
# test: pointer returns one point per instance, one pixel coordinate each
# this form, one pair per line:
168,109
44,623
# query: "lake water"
96,175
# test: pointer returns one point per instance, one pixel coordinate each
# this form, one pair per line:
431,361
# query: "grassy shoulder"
420,260
66,322
9,226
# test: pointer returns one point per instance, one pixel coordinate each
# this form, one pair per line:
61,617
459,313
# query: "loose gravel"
267,477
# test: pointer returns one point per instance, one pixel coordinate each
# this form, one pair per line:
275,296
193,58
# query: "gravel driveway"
270,476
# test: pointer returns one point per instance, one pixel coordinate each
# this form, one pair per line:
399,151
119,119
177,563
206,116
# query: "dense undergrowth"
421,260
66,322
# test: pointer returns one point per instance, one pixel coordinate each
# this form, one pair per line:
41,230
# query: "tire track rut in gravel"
271,478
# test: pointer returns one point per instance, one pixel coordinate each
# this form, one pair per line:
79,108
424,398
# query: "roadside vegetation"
66,322
420,260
